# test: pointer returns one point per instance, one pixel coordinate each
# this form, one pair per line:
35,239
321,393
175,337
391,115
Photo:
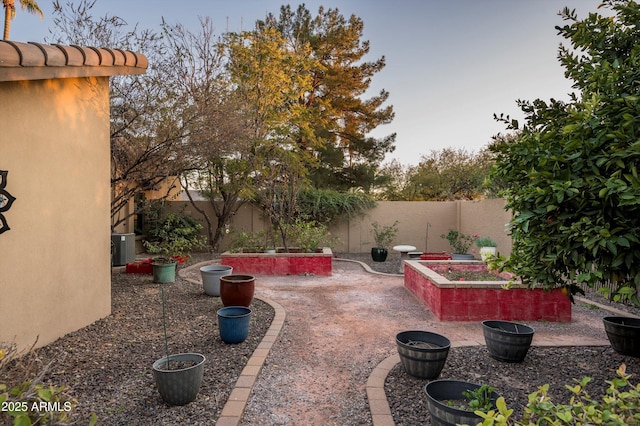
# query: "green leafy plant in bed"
620,405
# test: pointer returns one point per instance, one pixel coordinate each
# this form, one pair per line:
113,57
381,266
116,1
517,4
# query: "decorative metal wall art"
6,200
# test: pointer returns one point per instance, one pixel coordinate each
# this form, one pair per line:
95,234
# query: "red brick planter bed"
280,263
481,300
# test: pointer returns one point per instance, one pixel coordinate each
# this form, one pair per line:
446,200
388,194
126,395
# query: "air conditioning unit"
123,249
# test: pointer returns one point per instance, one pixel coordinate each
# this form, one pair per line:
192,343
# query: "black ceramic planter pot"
507,341
443,414
422,353
623,334
379,254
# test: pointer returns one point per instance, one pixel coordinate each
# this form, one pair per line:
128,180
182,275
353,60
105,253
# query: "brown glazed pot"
237,290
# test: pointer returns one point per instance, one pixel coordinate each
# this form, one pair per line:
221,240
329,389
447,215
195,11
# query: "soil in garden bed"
176,365
457,275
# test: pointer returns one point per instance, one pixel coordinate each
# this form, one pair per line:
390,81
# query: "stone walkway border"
233,410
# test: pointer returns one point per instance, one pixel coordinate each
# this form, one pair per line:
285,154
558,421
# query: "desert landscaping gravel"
107,365
317,370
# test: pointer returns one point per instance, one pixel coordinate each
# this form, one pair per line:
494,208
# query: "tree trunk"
9,8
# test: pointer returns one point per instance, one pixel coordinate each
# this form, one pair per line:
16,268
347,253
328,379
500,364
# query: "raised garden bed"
480,300
280,263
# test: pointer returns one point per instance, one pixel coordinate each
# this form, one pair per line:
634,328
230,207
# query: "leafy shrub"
310,235
458,241
305,235
486,242
479,399
619,406
248,242
175,235
383,235
571,169
329,206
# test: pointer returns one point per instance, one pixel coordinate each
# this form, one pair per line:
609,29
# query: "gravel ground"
555,366
107,365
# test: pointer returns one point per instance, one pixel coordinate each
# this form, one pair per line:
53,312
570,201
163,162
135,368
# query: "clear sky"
451,64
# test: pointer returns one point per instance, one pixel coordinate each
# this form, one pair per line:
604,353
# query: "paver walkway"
331,355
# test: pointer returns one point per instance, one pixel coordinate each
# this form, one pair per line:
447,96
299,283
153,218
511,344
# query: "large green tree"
339,117
269,79
31,6
442,175
572,168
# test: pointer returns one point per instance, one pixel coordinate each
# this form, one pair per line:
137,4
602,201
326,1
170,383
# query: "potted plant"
171,240
487,247
460,243
453,402
383,235
178,377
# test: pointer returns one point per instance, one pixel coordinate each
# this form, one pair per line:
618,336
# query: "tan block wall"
55,259
420,223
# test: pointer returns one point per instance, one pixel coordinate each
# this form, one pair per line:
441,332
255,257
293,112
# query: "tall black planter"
507,341
442,414
379,254
623,334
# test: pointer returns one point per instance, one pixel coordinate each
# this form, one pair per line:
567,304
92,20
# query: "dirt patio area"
339,328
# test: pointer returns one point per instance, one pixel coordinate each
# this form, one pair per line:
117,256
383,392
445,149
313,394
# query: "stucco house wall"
54,143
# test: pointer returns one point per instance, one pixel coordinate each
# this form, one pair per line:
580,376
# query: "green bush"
248,242
305,235
175,235
571,170
309,236
486,242
459,242
619,406
383,235
329,206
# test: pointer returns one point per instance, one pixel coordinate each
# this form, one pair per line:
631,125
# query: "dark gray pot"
507,341
451,390
422,353
623,334
179,387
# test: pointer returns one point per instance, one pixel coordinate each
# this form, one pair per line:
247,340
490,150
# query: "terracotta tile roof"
36,61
